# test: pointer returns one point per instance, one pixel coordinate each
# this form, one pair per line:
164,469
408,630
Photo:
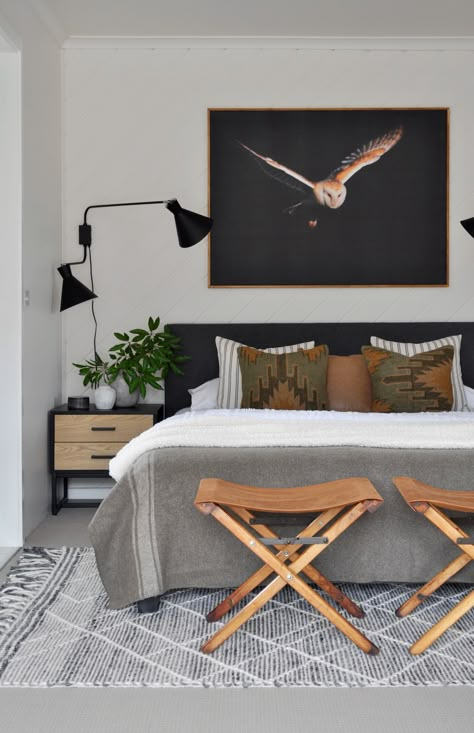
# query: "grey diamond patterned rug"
56,630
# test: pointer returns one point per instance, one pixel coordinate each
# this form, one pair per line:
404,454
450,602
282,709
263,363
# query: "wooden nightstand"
82,442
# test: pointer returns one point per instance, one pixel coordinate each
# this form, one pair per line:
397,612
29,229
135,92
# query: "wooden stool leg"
449,528
417,598
263,573
312,573
454,533
311,596
259,577
243,615
443,624
332,590
288,575
332,615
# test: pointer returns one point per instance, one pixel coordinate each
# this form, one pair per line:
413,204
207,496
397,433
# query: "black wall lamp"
191,228
468,225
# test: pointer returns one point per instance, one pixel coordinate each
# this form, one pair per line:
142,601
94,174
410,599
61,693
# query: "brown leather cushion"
349,387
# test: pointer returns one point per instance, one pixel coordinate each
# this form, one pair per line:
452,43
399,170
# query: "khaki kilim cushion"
419,383
409,349
229,393
291,381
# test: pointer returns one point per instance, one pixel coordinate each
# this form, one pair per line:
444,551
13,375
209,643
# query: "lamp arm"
80,262
131,203
85,229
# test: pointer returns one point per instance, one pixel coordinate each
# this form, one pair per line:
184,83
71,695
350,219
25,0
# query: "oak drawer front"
84,456
92,428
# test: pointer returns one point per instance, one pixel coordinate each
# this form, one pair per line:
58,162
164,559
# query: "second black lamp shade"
190,227
468,225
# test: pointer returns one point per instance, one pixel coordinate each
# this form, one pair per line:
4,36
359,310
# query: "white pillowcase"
204,397
459,397
229,395
469,392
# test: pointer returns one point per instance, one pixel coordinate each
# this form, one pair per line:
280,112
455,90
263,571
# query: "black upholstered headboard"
198,342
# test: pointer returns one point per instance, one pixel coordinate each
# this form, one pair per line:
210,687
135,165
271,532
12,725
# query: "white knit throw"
282,428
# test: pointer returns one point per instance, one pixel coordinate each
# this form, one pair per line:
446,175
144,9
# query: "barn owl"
331,191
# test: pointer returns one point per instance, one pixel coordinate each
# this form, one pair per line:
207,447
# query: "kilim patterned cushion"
410,349
229,393
291,381
420,383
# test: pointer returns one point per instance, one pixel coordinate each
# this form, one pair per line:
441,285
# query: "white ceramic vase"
125,398
104,397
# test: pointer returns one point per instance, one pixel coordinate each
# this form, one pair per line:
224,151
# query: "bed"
149,538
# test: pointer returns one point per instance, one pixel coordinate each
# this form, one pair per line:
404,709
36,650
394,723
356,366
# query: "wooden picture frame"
273,173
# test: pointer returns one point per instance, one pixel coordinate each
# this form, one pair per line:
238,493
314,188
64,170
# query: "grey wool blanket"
149,538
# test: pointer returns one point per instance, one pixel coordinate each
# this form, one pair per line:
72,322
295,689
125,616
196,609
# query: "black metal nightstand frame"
59,503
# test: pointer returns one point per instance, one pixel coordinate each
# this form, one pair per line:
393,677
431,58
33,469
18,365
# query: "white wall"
10,300
136,128
41,246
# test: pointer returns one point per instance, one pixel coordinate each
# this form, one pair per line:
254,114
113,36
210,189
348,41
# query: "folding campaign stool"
427,500
229,503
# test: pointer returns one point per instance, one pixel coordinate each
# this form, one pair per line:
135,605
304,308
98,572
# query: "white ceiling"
319,18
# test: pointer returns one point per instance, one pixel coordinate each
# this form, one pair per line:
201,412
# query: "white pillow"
459,397
230,380
204,397
469,392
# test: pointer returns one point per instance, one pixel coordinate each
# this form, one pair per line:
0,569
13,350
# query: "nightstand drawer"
84,456
92,428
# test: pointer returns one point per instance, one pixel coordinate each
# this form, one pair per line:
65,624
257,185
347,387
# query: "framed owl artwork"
329,197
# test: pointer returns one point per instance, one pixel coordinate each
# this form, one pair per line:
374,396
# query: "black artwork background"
391,229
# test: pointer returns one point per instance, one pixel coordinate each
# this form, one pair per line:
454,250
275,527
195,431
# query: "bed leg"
149,605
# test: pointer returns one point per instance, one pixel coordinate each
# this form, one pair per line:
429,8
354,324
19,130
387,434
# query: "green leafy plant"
138,355
94,371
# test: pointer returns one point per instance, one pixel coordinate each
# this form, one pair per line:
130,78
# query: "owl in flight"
331,191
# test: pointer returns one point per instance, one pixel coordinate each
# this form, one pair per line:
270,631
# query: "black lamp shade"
191,227
73,292
468,225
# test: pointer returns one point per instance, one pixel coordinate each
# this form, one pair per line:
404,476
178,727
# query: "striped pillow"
230,380
459,397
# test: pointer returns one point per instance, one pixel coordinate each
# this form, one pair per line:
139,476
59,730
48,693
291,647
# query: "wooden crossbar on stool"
427,500
340,502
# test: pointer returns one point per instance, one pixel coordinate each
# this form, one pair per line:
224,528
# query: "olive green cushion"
419,383
290,381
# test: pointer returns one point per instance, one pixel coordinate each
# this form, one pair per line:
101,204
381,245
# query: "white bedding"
274,428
